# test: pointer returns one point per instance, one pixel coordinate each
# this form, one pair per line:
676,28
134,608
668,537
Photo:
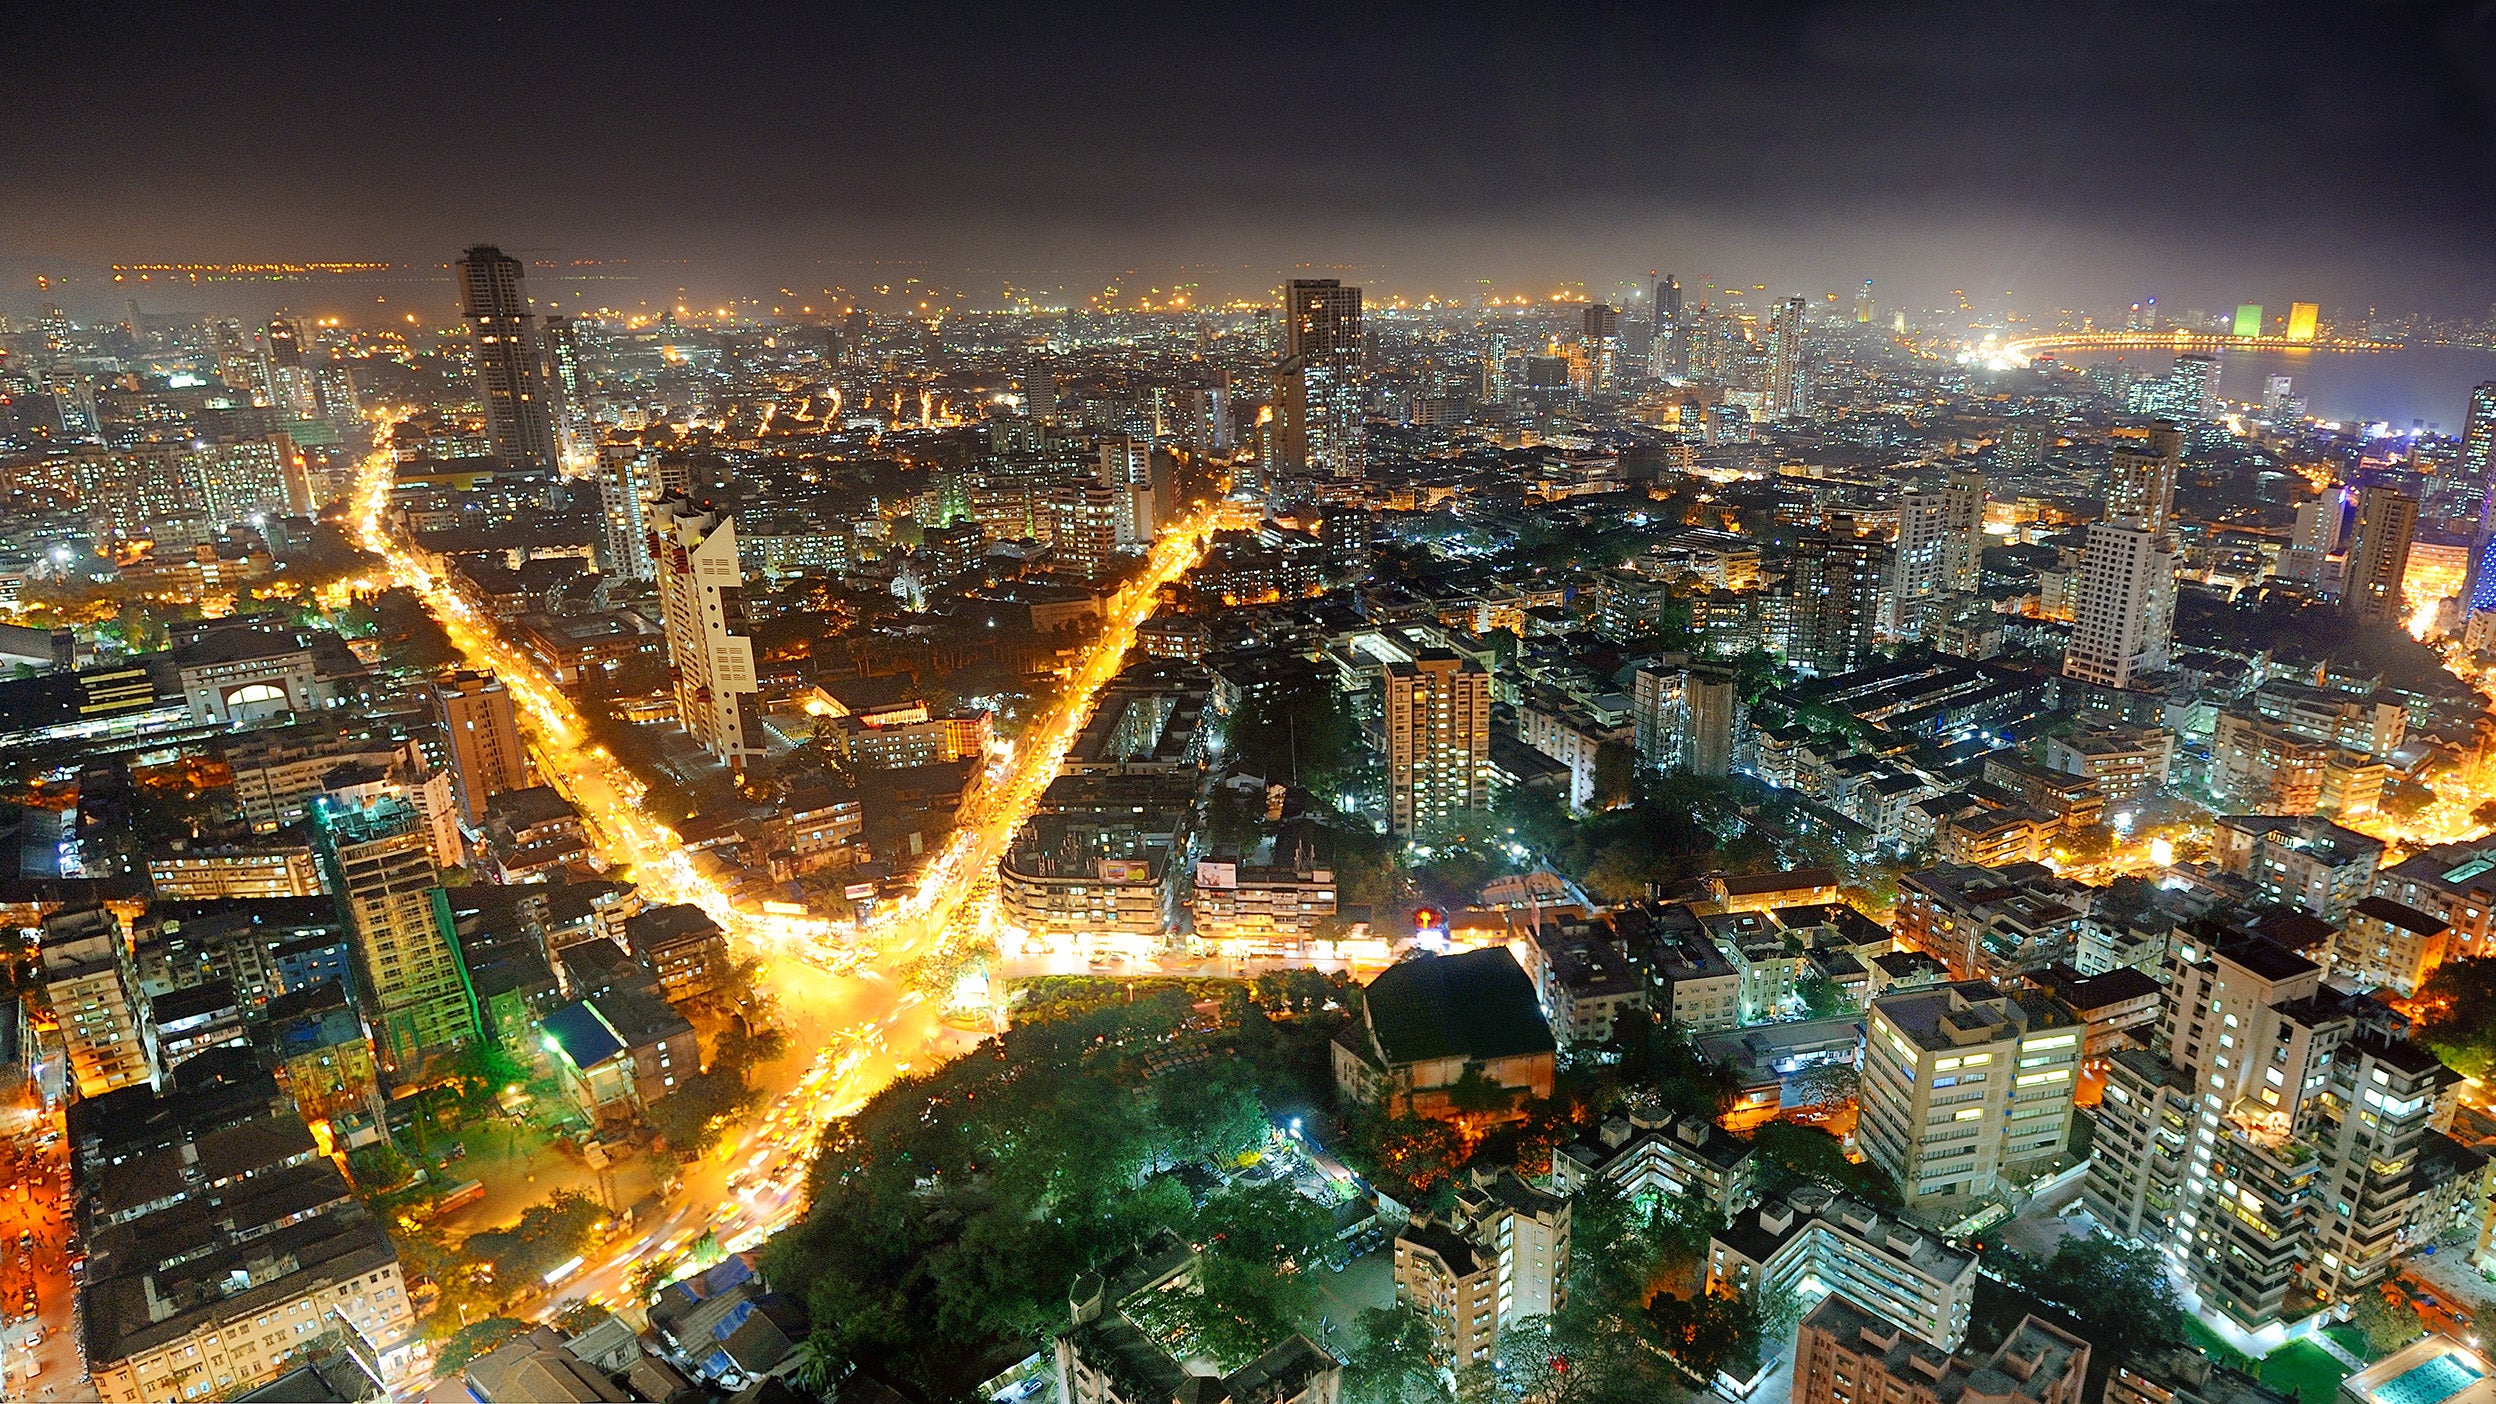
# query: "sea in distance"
2416,387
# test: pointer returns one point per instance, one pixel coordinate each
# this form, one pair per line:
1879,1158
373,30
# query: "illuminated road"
857,1028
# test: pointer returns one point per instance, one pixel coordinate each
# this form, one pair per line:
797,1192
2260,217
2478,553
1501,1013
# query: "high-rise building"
2193,387
379,861
702,609
1963,530
1921,563
1322,361
2123,620
94,990
1965,1085
1127,471
1863,305
1785,394
1835,586
2270,1144
2248,319
2370,588
239,362
2302,317
1684,717
475,712
1087,523
512,381
250,478
2140,478
1599,333
2478,467
1438,724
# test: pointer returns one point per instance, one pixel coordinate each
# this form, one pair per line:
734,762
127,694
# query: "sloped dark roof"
1476,1006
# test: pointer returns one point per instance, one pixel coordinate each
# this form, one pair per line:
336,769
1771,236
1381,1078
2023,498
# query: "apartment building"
1966,1086
1844,1354
1814,1242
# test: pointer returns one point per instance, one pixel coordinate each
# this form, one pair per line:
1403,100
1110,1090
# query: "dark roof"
2114,987
1478,1006
1797,880
2268,959
1451,1246
2407,918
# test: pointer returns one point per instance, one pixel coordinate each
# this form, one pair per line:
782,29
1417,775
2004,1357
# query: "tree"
2122,1294
1215,1120
1475,1094
1823,998
1709,1332
475,1339
2456,1009
1790,1155
1391,1365
2388,1322
1616,774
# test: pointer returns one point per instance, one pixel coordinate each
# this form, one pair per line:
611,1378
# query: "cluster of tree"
2291,627
2121,1295
2388,1322
691,1117
1789,1155
545,1234
1251,1286
1301,733
957,1206
475,1339
1658,830
2456,1011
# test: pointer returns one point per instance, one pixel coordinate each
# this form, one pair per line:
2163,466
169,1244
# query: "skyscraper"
1963,524
511,370
1835,584
1921,566
702,605
2124,618
2302,317
2370,588
2141,474
1438,715
2193,387
476,716
1322,360
1784,394
1600,334
1863,305
2248,319
2478,465
378,859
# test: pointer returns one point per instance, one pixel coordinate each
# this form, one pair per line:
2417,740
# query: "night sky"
2069,154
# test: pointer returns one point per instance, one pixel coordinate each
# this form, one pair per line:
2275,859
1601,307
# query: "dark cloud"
2059,152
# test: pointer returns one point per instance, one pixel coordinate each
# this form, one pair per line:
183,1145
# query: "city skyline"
2052,160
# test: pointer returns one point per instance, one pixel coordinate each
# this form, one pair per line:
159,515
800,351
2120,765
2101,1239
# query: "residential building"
2384,945
682,948
1500,1256
262,870
1320,418
702,602
1683,717
1844,1354
2124,763
220,1260
2370,586
1966,1087
1648,1152
1106,1358
1836,585
1244,910
1988,923
94,992
1438,733
1814,1243
475,713
379,865
2299,861
2307,1121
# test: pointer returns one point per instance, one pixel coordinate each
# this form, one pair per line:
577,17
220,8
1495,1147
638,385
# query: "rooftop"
1478,1005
